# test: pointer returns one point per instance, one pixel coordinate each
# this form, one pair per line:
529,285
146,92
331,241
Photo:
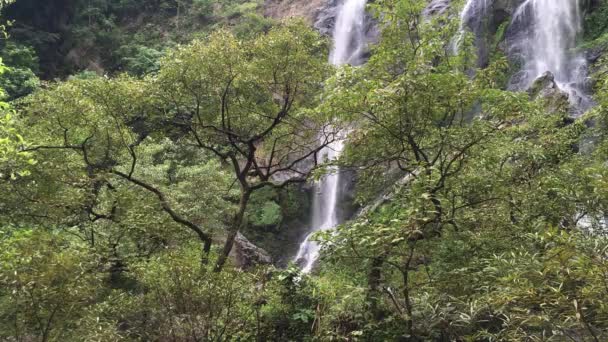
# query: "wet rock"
507,6
326,17
436,7
485,19
546,88
248,255
543,84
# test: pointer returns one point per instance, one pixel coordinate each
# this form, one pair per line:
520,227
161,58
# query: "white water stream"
544,34
324,214
550,43
349,38
472,14
547,42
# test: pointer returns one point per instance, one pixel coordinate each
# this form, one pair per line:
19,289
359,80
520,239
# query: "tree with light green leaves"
245,109
480,172
251,104
13,160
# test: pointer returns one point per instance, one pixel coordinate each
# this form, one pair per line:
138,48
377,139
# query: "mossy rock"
546,90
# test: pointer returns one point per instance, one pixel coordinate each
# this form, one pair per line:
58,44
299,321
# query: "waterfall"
349,37
542,38
471,17
473,10
324,214
550,30
349,34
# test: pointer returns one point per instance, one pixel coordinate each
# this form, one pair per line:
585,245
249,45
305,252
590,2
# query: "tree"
92,154
251,104
247,103
475,164
46,280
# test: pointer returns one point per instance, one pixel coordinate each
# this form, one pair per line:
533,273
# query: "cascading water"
543,36
349,34
550,30
471,17
473,10
349,38
324,214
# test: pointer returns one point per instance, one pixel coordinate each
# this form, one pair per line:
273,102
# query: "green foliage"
179,301
14,162
552,289
19,56
19,79
46,280
596,23
493,231
269,215
264,211
18,82
139,60
294,202
126,35
252,24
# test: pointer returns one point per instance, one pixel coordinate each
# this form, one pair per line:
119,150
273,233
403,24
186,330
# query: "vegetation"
596,23
113,36
125,196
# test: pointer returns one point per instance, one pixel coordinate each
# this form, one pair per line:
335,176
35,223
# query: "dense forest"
288,170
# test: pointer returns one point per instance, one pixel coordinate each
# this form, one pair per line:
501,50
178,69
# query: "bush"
46,284
269,215
18,82
139,60
178,299
20,78
596,23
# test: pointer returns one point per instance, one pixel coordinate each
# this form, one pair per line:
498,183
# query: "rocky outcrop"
506,6
326,17
248,255
489,30
436,7
283,9
483,18
545,88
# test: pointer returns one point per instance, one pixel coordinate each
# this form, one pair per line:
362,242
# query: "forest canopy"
158,160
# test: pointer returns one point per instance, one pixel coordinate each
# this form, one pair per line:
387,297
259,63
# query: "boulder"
248,255
546,87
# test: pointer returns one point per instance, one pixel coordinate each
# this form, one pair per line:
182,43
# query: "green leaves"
44,277
14,162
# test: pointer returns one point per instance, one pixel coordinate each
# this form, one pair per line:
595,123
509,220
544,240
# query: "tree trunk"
234,230
205,253
374,279
409,321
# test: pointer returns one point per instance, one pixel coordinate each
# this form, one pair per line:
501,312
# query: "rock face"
283,9
326,17
248,255
506,6
436,7
546,88
486,29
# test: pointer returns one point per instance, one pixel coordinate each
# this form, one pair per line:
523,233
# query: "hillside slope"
106,36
